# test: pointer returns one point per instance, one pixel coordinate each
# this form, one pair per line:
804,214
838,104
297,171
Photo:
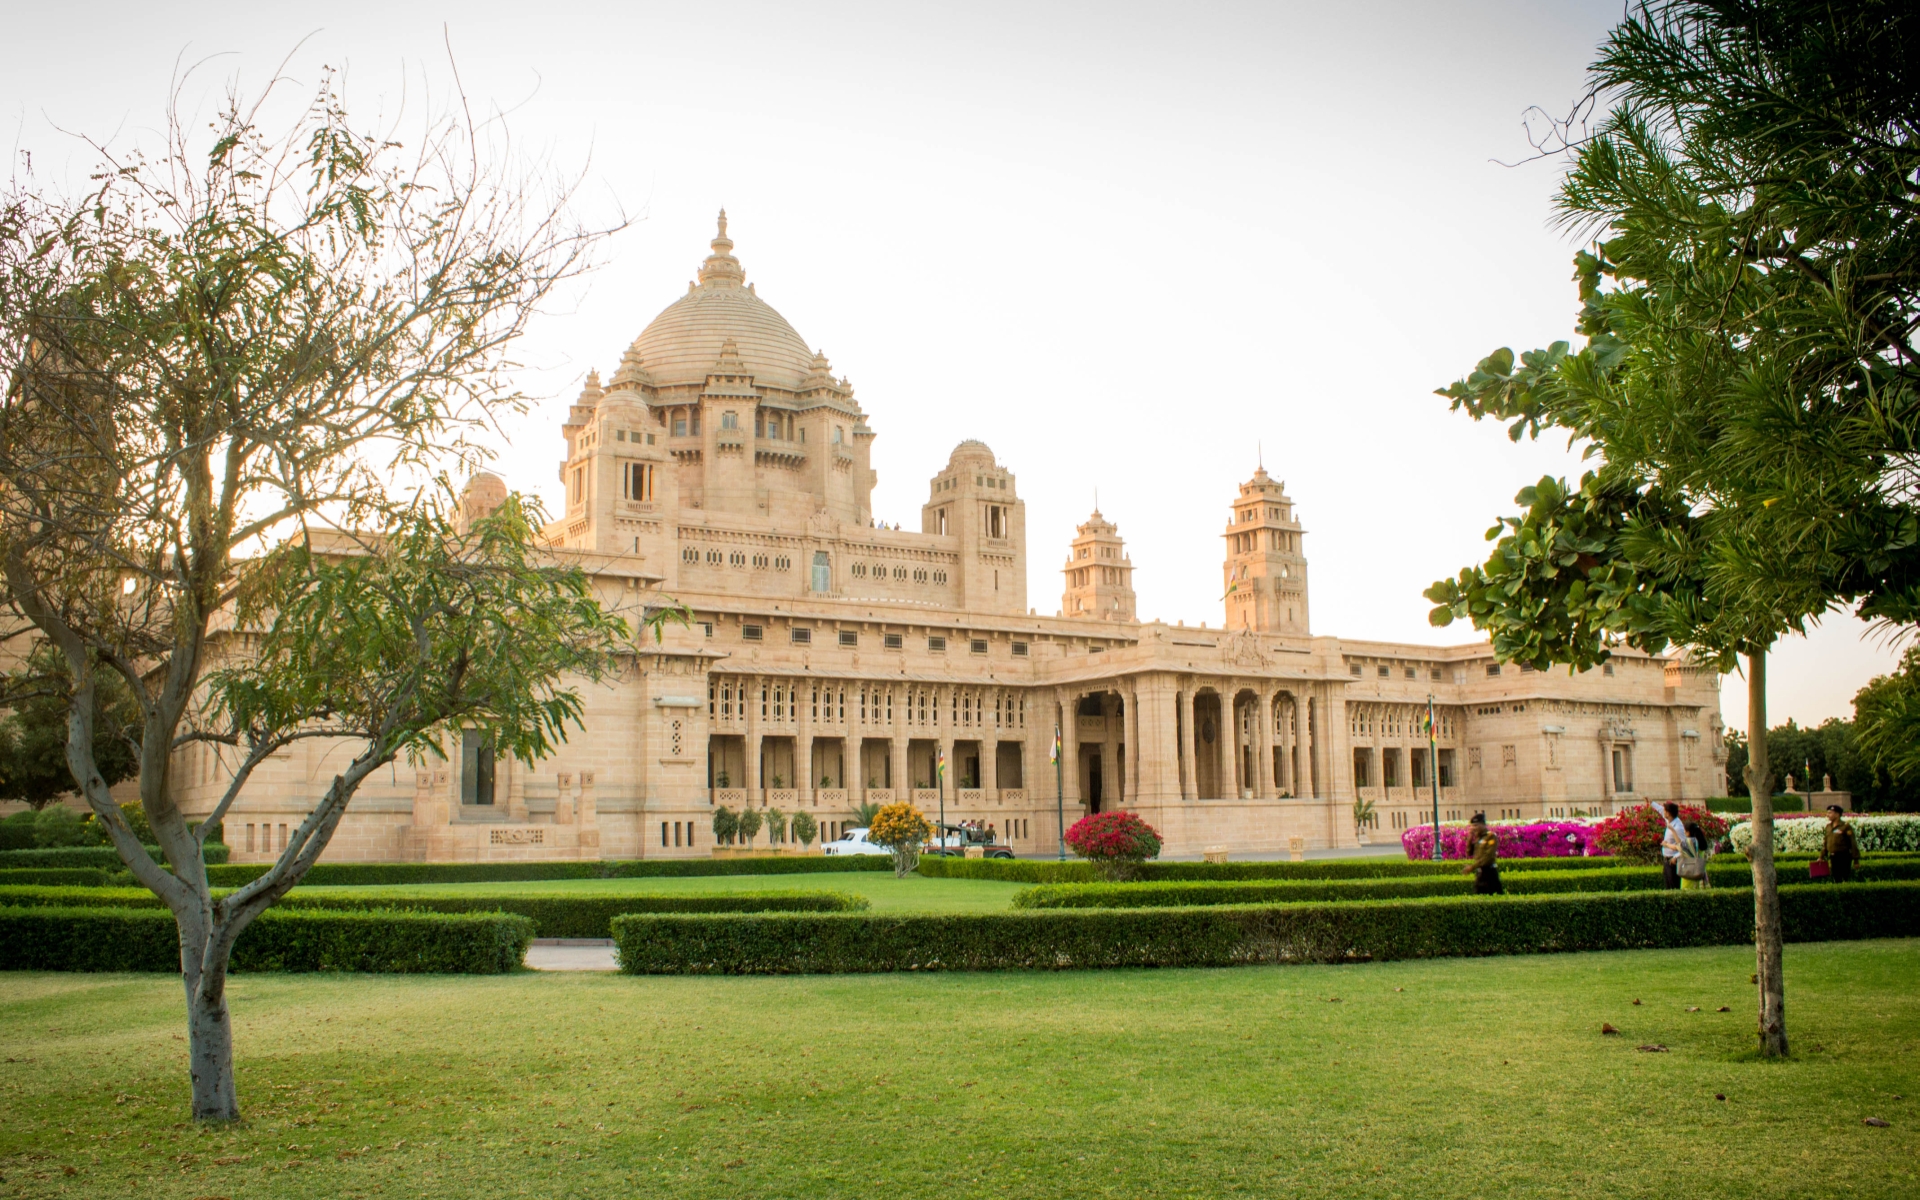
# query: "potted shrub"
805,828
1116,843
726,823
900,828
720,779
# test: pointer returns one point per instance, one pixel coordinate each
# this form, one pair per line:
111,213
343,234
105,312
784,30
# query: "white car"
853,841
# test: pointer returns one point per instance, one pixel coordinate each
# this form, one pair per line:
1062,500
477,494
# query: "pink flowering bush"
1634,833
1537,839
1114,842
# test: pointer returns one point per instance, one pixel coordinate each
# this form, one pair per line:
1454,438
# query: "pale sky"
1124,245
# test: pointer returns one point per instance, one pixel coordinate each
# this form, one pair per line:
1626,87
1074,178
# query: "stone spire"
1099,574
722,269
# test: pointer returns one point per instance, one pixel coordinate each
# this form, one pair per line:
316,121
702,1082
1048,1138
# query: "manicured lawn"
1459,1078
912,894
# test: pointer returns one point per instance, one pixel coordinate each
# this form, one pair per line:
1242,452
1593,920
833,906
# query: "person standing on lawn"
1692,863
1840,850
1671,843
1483,851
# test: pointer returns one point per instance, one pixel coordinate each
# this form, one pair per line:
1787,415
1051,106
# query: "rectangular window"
1446,768
937,645
706,627
1418,760
1019,649
1362,768
1385,672
476,768
1390,768
978,645
679,427
893,641
1493,669
750,633
1354,670
801,637
1622,769
849,637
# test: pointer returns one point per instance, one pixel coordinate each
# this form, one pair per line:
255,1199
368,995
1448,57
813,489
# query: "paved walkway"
572,954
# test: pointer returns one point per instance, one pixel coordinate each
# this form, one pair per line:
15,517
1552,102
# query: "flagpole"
940,781
1433,769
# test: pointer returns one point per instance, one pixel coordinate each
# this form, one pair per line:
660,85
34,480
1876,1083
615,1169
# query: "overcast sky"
1129,247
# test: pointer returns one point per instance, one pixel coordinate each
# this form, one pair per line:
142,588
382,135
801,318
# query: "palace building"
832,660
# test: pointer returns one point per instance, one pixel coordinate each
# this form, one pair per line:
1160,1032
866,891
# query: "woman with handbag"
1839,851
1692,862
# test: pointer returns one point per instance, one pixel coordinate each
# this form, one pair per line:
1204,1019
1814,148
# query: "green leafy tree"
776,826
750,821
863,814
726,824
33,733
215,350
1748,379
805,828
1887,716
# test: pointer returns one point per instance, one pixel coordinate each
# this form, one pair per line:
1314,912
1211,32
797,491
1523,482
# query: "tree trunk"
1768,948
209,1036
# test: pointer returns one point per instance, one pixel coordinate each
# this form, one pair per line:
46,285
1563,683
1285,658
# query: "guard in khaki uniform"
1483,848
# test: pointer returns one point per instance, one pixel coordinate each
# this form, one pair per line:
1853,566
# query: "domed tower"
1266,568
1099,574
974,502
484,493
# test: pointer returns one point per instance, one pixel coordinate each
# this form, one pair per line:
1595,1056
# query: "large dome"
681,344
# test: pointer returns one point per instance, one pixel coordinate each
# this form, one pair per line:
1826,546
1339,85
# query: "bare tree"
208,354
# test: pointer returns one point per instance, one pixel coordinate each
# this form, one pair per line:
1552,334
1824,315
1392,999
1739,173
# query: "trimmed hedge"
99,857
53,877
370,874
555,916
1232,936
144,939
1606,879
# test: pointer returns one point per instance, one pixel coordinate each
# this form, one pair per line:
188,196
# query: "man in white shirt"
1670,844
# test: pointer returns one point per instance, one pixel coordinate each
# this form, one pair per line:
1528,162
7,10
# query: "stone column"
901,784
590,814
563,798
1263,786
804,780
751,768
1299,766
1185,742
1132,733
1224,742
1317,742
1111,792
1069,747
990,762
516,788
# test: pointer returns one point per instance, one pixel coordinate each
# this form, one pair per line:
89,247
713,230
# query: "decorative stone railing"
783,798
975,796
925,796
879,795
1013,795
731,797
835,798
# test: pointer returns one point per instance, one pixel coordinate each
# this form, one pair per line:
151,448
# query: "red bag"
1818,870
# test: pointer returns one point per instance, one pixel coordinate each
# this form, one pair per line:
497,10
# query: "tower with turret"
1266,567
1099,575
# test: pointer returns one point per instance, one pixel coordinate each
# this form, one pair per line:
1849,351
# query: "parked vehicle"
954,840
853,841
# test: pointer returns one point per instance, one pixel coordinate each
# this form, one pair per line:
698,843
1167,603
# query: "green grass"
912,894
1460,1078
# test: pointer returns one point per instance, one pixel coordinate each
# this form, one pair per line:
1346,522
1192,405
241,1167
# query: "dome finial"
721,266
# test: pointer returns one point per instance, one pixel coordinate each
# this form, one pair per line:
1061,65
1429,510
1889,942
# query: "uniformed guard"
1483,849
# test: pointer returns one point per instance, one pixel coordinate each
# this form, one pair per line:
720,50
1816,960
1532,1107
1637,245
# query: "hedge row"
54,877
144,939
1605,879
1231,936
369,874
554,916
1031,871
98,857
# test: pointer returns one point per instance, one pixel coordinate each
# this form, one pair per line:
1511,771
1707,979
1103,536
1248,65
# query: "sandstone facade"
832,660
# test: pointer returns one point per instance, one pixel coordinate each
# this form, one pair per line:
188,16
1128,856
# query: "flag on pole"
1053,759
940,763
1431,726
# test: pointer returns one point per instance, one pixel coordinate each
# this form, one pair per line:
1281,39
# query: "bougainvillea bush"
1534,839
1634,834
1807,835
1115,842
